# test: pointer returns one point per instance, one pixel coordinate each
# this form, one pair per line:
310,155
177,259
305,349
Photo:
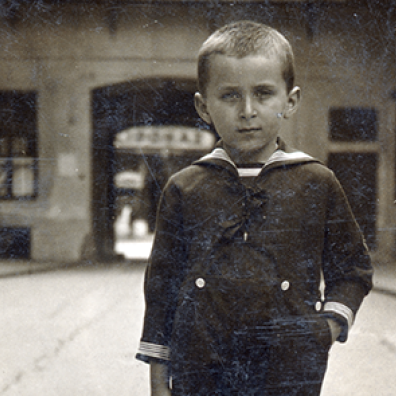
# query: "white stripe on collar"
278,156
249,172
220,154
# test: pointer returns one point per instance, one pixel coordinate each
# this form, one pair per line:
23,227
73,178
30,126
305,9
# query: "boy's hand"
159,380
335,329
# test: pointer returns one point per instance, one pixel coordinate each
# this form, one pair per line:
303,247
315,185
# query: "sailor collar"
281,157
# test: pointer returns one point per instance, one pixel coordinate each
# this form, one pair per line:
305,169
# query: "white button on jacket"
285,285
200,283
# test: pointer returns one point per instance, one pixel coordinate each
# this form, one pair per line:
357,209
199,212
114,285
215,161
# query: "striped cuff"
155,351
341,310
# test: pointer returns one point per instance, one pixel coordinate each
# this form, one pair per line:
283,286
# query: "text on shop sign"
183,138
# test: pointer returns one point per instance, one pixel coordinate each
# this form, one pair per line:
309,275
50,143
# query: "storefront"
145,157
97,111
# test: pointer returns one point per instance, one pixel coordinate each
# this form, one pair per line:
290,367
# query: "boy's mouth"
248,130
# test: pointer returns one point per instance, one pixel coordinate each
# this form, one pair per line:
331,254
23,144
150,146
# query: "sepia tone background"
96,112
76,74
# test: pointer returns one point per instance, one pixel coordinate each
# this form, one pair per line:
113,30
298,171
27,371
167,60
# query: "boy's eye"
262,93
230,96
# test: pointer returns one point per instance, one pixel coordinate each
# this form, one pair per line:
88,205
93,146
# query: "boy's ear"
293,102
202,110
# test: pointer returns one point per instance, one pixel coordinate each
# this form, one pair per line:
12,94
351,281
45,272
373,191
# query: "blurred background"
96,112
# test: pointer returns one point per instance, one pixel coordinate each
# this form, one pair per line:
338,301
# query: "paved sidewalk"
11,268
135,252
385,277
14,268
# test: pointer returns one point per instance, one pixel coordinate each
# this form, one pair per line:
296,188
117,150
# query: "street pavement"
73,332
74,329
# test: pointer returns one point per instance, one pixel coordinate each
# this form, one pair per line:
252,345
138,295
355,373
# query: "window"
357,172
353,124
18,145
14,243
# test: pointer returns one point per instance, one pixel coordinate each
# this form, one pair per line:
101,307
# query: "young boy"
244,236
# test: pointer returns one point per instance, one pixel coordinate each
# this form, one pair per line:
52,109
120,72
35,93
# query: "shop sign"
166,137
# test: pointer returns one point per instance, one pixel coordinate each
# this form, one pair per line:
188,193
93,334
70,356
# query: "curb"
26,268
384,291
30,269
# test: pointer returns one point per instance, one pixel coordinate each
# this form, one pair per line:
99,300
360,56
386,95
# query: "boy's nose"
247,109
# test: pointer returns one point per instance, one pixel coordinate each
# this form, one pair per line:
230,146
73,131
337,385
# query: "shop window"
357,173
18,145
353,124
14,243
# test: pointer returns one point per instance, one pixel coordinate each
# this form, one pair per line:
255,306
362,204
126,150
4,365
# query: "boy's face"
246,100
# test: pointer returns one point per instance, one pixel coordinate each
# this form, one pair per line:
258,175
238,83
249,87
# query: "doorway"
144,131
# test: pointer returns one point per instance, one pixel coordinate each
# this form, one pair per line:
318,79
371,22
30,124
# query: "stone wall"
344,57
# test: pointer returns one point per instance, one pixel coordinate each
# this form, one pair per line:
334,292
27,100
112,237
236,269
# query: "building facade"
96,112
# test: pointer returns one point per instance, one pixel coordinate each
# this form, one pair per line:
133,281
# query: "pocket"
321,330
302,330
299,351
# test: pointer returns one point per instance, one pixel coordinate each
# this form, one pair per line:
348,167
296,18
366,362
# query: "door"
159,125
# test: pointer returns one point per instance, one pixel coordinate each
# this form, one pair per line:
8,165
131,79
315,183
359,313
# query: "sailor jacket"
295,214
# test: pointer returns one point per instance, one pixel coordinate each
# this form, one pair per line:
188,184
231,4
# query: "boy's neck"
251,157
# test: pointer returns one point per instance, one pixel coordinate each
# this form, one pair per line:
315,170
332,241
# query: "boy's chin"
251,153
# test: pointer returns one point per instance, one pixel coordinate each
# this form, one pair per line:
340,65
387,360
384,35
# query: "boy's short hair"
241,39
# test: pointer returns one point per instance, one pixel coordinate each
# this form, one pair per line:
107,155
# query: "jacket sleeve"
346,262
163,277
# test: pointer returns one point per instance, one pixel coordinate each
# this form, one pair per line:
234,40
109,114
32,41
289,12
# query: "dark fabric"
270,240
235,336
283,370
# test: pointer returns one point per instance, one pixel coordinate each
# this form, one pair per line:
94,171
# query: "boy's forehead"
220,65
265,56
270,52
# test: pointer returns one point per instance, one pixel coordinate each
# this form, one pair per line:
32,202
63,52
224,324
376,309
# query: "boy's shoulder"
317,168
295,160
191,174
